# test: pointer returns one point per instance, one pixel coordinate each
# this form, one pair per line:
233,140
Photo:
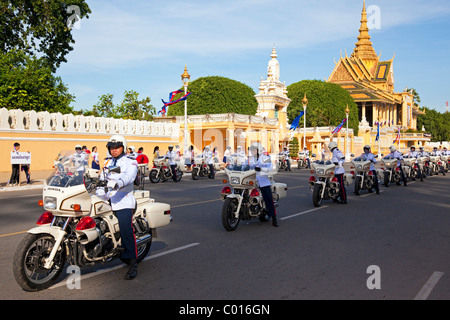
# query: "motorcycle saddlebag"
157,214
280,189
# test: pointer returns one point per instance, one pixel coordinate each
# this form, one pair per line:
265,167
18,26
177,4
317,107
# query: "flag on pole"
172,97
339,127
295,124
378,133
163,111
397,139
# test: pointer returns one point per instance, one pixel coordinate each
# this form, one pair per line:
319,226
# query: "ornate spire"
364,49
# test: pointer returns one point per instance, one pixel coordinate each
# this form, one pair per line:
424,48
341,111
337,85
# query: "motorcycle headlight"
234,180
49,203
320,171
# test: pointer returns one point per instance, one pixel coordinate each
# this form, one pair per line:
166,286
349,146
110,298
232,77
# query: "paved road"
327,253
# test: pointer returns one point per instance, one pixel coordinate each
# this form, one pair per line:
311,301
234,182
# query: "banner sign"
20,157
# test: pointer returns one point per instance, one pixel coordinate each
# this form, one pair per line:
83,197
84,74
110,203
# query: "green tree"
40,27
130,108
214,94
326,106
133,108
28,83
293,148
437,124
105,106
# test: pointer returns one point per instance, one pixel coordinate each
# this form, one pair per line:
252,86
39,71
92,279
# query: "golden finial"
185,76
305,101
347,110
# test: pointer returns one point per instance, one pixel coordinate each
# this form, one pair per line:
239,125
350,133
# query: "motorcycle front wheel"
317,195
195,174
229,220
357,185
29,260
154,176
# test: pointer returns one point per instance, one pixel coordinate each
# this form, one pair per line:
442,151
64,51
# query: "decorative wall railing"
17,120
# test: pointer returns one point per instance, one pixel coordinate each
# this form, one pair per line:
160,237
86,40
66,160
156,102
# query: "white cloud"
120,34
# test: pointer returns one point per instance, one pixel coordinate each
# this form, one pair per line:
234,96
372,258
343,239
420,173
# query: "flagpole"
185,79
304,102
347,153
379,139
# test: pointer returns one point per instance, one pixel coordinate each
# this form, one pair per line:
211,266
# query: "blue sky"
143,45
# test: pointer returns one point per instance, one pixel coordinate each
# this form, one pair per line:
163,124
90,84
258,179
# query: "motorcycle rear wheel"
142,251
29,259
229,220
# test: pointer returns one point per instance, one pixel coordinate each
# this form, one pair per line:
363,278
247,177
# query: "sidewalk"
37,180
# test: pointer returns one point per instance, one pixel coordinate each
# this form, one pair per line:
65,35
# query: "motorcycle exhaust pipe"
144,239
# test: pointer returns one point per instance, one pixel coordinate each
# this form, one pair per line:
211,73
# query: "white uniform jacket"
122,198
338,158
369,157
171,156
265,164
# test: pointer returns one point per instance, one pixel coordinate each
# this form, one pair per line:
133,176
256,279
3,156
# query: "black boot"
275,221
132,270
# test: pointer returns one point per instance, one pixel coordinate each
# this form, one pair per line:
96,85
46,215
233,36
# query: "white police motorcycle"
79,228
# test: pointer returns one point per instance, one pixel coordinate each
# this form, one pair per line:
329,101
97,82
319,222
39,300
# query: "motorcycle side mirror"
313,155
114,169
352,155
382,154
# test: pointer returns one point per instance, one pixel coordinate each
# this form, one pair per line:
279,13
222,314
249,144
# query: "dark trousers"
268,200
402,174
15,174
26,169
212,173
128,240
375,180
173,167
343,192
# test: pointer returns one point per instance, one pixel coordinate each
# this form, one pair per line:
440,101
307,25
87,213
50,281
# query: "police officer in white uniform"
261,162
121,197
171,156
209,159
414,154
369,156
397,155
338,159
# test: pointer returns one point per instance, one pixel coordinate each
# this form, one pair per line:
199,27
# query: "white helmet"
117,140
132,148
78,146
393,148
332,145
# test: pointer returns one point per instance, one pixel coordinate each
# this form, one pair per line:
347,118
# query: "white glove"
112,184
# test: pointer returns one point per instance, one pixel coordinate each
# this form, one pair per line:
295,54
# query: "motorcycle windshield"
244,164
69,170
325,162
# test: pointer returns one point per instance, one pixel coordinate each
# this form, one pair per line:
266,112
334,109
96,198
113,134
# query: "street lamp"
347,154
185,79
304,102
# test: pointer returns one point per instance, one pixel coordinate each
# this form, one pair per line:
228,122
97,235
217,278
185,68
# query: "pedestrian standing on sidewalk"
14,180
